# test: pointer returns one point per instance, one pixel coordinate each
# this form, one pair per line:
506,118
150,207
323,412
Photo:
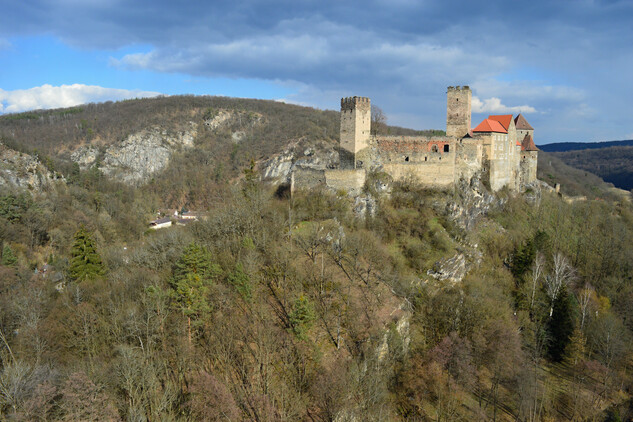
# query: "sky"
566,65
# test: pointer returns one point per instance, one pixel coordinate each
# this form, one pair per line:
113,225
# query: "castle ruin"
500,149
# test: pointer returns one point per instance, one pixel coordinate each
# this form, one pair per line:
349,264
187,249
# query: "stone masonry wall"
528,167
350,181
306,178
469,158
458,111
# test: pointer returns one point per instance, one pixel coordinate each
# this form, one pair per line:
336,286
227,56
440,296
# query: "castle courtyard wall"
350,181
306,178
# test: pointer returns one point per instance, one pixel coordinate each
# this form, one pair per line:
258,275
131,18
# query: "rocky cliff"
19,170
137,157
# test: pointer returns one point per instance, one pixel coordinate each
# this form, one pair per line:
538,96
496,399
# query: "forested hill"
612,161
181,145
577,146
60,130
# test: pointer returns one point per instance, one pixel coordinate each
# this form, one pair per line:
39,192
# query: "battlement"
351,103
459,88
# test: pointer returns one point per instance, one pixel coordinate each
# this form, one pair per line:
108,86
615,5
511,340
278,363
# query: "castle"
500,149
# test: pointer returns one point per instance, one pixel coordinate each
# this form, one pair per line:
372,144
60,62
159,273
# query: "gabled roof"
490,125
528,144
521,123
504,119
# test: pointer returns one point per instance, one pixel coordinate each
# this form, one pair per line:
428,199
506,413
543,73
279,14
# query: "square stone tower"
458,109
355,128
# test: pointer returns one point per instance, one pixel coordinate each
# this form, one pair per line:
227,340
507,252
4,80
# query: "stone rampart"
351,181
306,178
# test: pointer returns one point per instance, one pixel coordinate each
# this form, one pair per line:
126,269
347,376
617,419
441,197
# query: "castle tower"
355,127
523,127
458,108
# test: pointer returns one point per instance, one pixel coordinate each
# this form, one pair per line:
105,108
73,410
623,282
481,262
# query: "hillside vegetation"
612,161
613,164
578,146
439,305
230,132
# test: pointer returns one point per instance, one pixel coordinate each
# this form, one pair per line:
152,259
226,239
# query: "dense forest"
278,308
578,146
613,164
612,161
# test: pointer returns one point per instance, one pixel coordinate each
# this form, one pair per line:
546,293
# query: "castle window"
434,148
445,148
406,158
425,158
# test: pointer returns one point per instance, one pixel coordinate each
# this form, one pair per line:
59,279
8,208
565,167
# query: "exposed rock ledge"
139,156
19,170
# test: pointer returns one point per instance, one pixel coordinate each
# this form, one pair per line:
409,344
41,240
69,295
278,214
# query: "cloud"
48,96
401,53
493,105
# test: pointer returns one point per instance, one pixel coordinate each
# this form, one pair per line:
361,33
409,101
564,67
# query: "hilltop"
579,146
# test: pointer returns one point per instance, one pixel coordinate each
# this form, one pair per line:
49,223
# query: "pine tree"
8,257
301,317
193,274
560,326
85,263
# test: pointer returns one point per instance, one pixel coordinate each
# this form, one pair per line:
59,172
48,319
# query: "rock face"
452,269
278,169
234,121
20,170
472,202
139,156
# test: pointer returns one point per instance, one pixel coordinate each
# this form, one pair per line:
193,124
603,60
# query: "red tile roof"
504,119
528,144
490,125
521,123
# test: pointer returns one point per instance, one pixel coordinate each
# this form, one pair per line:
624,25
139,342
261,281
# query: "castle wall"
431,174
306,178
500,156
351,181
469,158
430,159
458,111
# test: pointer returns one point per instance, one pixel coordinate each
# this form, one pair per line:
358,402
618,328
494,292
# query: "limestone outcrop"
139,156
278,169
19,170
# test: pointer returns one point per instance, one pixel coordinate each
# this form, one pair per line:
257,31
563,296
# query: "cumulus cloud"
403,59
48,96
494,105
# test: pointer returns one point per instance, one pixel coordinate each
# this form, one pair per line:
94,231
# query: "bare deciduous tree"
562,274
537,272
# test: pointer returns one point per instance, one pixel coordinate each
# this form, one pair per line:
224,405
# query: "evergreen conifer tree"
8,257
85,263
560,326
192,276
